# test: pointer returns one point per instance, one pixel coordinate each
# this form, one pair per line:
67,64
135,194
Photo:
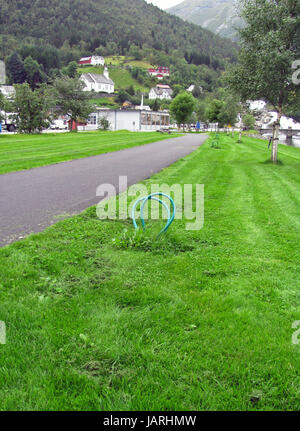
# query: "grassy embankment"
18,152
98,319
120,60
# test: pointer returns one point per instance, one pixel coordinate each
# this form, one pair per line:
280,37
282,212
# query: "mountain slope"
92,23
219,16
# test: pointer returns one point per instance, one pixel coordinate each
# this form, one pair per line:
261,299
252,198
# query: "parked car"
59,125
9,123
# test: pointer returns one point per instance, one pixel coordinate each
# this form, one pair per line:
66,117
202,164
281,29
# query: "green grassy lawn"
100,319
107,102
119,60
18,152
121,77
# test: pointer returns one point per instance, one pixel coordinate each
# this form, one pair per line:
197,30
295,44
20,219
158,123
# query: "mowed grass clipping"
19,152
99,318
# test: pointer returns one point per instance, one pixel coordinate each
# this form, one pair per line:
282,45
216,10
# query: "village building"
161,92
8,91
192,88
94,60
160,72
98,83
128,119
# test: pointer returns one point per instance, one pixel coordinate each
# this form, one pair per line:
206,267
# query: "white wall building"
192,88
132,120
2,73
98,83
8,91
161,92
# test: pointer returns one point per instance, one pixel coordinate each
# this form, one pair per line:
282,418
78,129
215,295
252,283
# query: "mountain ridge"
219,16
90,23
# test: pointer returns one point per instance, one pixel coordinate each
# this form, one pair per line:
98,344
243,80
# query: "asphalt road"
34,199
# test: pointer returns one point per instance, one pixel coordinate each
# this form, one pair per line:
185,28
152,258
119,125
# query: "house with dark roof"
161,92
98,83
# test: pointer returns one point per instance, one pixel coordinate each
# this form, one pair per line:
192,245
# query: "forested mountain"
219,16
86,25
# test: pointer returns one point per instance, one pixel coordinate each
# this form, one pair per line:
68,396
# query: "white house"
161,92
95,60
192,88
98,83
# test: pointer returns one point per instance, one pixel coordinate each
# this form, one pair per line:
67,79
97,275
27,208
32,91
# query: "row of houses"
104,84
160,72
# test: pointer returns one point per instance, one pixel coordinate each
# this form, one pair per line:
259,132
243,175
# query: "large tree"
71,100
31,108
269,47
34,73
182,107
15,69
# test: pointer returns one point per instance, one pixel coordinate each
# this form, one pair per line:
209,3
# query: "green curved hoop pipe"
153,197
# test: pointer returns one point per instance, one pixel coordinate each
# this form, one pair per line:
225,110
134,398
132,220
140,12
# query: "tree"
213,110
130,90
177,89
70,70
15,69
71,100
269,47
123,96
156,105
229,111
182,107
103,123
248,121
201,110
135,52
34,74
31,108
197,93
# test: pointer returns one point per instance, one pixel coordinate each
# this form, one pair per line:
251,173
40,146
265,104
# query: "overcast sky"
164,4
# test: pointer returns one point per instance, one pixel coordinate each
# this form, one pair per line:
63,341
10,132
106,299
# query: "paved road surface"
34,199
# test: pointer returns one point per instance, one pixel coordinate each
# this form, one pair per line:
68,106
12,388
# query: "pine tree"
34,74
15,69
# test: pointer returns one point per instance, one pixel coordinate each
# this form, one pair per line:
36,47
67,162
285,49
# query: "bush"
103,124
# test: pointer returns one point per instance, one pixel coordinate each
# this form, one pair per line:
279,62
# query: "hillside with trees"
82,27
